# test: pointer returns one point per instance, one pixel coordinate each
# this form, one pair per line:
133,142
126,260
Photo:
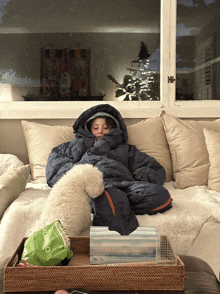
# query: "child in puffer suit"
133,180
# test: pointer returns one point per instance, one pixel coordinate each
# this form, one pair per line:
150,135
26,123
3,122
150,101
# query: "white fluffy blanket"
192,208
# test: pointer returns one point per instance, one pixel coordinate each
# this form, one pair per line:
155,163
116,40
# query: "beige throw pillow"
188,149
213,145
40,140
12,183
149,137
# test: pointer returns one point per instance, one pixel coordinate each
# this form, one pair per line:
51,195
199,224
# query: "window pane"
111,31
198,50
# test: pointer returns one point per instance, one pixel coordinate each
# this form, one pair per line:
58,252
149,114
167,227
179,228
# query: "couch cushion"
149,137
188,149
213,146
9,161
40,140
12,183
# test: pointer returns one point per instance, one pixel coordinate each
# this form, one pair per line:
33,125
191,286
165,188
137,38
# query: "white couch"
189,152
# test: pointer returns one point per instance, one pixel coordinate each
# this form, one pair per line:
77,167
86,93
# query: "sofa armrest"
200,278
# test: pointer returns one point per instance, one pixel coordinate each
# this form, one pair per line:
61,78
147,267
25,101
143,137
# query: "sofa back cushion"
213,146
188,149
40,140
149,137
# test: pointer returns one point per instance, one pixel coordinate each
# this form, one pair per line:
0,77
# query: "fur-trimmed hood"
79,127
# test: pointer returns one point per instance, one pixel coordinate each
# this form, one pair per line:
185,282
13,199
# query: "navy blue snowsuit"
133,179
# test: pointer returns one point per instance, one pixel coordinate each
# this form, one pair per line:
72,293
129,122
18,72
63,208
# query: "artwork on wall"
65,74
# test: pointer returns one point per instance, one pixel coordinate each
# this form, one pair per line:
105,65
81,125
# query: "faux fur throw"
68,200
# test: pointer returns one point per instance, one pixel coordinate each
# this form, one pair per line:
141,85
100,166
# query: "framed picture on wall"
65,74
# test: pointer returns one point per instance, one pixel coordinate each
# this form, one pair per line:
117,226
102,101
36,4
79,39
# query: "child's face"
99,127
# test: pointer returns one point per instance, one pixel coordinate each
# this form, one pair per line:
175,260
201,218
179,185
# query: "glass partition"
198,50
79,50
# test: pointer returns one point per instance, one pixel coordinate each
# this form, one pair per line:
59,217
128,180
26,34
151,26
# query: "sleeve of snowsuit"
61,159
146,168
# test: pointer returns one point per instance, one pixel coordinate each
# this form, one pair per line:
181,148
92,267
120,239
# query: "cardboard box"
165,278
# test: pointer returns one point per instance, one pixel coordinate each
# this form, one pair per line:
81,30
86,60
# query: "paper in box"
109,247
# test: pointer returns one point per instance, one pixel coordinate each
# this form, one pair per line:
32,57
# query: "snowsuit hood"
80,129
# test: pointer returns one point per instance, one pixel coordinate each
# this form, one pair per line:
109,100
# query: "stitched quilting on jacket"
133,179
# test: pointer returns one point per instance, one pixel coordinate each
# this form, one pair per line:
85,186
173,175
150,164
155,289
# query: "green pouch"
47,247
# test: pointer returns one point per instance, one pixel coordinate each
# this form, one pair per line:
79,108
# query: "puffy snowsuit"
133,180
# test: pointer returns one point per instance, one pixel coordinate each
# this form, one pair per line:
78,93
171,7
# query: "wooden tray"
133,278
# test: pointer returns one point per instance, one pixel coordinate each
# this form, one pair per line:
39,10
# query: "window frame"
188,109
129,109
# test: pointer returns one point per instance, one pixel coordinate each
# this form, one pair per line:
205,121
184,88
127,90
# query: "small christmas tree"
141,84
